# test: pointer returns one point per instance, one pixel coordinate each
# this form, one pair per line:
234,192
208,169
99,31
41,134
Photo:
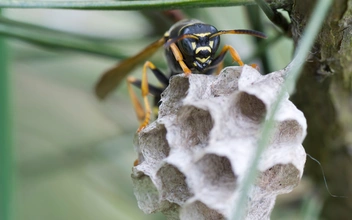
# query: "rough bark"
324,94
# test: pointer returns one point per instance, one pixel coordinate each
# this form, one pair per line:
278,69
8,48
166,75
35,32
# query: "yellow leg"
233,53
235,56
146,120
179,58
136,163
255,66
135,102
143,115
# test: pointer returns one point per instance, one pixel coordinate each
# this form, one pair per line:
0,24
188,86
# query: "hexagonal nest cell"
193,158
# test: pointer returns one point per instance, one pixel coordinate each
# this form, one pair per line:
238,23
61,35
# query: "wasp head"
198,46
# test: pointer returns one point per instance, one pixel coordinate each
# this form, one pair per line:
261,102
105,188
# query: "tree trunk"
324,94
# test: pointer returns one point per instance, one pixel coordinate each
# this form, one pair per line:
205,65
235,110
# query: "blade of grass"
56,39
6,158
292,73
123,5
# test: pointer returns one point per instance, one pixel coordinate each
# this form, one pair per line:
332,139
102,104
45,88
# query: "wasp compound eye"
187,46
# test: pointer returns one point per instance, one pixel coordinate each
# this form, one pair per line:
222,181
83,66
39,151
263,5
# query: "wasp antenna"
174,40
240,31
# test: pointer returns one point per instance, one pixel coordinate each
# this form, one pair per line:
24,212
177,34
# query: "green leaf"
123,5
6,158
56,39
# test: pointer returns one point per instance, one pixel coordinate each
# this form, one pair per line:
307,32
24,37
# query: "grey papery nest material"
193,158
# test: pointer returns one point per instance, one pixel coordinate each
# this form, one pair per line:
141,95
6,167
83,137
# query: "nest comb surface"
193,158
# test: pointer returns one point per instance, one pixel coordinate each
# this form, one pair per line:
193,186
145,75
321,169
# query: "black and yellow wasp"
190,47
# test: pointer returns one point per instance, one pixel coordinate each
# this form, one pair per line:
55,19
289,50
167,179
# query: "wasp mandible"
190,47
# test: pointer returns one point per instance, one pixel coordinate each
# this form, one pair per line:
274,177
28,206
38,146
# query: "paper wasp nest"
193,158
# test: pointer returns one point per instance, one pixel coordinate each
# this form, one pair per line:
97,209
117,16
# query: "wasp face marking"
194,45
201,49
202,63
202,60
203,55
211,43
202,34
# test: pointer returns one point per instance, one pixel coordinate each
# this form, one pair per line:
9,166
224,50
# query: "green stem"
6,159
292,73
275,16
266,8
124,5
255,20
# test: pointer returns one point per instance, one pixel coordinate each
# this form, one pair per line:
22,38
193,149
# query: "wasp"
190,47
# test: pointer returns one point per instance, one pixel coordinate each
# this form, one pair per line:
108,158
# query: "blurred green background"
74,153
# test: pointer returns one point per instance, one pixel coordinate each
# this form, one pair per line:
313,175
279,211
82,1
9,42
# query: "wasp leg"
136,163
179,58
219,59
155,91
135,102
144,115
233,53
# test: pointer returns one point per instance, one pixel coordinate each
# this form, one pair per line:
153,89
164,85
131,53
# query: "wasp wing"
112,78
